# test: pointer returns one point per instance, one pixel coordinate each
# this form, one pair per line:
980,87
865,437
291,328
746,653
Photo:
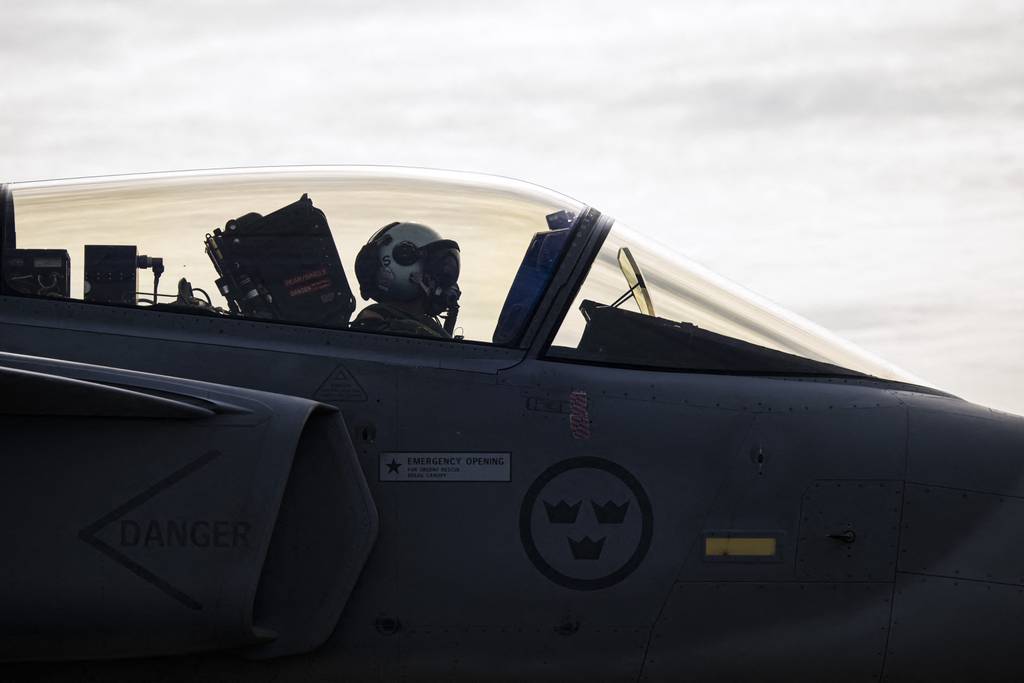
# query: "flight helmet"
403,262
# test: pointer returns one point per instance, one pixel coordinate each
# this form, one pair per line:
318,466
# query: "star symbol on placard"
393,466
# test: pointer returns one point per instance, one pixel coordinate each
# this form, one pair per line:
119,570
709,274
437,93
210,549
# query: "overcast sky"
861,163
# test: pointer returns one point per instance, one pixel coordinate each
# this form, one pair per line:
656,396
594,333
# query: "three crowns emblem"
586,548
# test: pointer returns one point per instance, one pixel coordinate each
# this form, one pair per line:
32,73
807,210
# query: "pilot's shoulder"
372,312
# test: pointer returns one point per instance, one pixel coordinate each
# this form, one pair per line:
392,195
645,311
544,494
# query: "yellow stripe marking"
717,546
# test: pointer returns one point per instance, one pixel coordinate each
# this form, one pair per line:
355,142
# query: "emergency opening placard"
445,467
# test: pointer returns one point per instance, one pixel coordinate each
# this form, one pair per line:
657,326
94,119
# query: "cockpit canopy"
280,245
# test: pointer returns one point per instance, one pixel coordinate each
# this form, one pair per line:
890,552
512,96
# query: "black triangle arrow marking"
88,534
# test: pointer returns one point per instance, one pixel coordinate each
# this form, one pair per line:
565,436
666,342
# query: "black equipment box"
110,273
282,266
37,272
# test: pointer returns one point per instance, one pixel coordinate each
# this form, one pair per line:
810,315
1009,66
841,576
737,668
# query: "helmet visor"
442,262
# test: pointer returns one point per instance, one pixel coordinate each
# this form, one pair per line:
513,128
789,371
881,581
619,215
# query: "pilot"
411,274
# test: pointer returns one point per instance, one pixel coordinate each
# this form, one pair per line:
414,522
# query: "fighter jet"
357,423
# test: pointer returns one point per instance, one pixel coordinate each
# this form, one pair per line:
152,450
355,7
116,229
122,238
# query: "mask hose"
450,317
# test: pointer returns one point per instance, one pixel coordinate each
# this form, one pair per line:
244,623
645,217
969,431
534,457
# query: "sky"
860,163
